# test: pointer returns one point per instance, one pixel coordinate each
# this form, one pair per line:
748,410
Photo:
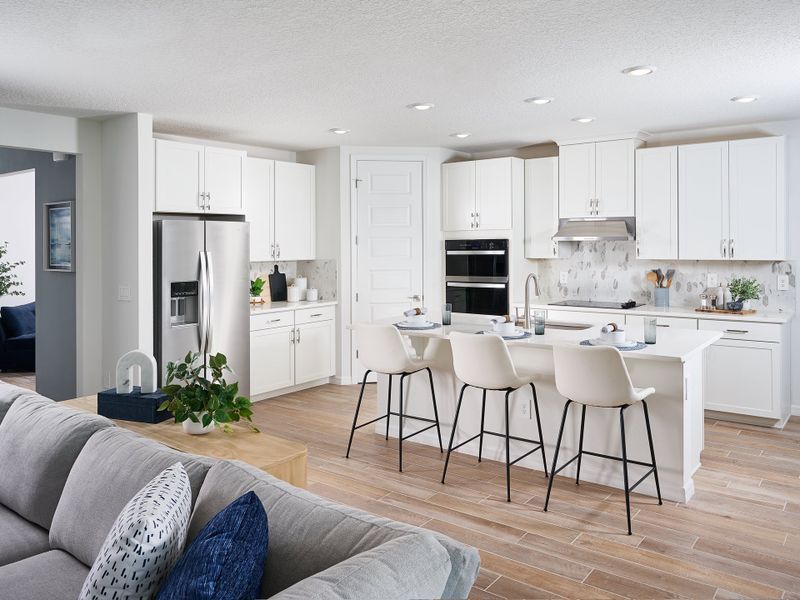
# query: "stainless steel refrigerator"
202,279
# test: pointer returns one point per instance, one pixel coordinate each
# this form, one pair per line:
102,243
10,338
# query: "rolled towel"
498,320
415,311
609,328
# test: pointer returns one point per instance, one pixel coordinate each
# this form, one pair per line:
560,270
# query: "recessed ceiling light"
744,99
539,100
583,119
421,106
460,136
339,131
639,70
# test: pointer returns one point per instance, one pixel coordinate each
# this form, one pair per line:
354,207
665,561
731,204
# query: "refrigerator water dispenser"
183,303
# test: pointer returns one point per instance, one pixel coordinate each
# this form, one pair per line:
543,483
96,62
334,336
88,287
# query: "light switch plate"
712,280
783,283
563,277
124,293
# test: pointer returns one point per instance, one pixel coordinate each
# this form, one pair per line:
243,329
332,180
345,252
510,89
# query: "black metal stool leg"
400,434
355,416
625,465
539,427
508,453
580,447
483,417
435,410
389,407
453,432
652,450
555,458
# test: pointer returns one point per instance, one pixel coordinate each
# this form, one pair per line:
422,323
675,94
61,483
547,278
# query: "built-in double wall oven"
476,276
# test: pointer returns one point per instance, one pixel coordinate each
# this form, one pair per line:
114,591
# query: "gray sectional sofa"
65,475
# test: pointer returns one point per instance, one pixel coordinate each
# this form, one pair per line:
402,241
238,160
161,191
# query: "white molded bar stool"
381,350
484,362
597,376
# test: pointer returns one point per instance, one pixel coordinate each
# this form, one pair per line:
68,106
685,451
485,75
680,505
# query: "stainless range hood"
595,229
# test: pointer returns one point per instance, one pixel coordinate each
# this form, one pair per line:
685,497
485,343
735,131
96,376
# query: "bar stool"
484,362
381,350
597,377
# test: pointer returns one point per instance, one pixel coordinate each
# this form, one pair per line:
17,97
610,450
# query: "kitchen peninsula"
674,366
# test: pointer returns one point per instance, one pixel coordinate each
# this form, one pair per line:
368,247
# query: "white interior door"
389,247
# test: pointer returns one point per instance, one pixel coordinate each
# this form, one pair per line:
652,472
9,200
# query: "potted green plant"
8,278
743,289
256,289
200,398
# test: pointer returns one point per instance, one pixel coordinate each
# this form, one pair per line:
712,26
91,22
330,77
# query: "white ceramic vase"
193,428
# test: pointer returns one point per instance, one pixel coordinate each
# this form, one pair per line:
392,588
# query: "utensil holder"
661,296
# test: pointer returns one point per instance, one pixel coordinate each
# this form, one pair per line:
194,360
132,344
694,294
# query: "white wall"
17,227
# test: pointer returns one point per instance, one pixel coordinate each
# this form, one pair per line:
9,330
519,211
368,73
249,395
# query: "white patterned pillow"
145,542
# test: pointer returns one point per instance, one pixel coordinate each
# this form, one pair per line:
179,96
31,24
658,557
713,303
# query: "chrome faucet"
528,297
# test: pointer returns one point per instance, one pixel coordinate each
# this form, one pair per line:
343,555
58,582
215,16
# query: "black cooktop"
597,304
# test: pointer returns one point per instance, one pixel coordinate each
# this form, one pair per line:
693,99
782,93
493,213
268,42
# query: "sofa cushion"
8,395
19,320
53,575
113,466
145,541
19,538
226,559
411,566
39,442
312,534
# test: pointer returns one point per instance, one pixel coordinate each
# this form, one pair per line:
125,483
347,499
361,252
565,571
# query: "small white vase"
747,304
193,428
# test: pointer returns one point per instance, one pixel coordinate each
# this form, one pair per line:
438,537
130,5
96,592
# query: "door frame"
354,160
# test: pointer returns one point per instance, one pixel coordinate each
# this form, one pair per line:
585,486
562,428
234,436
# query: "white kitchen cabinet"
757,199
314,356
541,210
479,195
596,179
272,360
584,318
259,208
657,203
295,211
197,179
664,322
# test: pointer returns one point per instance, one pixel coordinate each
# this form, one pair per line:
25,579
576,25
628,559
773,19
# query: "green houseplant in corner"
256,289
200,398
8,279
743,289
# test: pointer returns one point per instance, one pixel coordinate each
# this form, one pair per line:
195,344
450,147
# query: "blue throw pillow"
226,559
19,320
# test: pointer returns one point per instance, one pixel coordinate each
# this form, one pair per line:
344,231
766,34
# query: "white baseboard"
289,390
796,411
343,380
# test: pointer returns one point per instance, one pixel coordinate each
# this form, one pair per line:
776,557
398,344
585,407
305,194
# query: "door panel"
271,360
179,177
742,377
657,203
541,208
259,207
458,196
576,178
614,180
493,193
225,180
295,211
313,351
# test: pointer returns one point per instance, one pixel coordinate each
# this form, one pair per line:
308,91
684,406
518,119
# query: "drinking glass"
447,314
538,322
650,328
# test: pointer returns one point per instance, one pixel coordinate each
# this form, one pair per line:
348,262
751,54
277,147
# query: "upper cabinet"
541,209
657,203
479,195
281,210
596,179
732,200
197,179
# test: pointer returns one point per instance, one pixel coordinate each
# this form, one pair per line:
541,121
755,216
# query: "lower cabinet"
313,358
272,360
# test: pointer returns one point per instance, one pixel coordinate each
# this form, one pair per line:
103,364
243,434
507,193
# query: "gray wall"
56,367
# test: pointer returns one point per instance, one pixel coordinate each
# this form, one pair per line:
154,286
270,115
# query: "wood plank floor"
25,380
739,536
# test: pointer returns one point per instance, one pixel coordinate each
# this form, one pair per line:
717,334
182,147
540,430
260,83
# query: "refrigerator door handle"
202,324
210,311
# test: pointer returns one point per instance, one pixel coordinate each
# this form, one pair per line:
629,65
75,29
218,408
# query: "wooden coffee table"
281,458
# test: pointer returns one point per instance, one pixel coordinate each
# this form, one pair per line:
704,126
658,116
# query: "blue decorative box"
135,406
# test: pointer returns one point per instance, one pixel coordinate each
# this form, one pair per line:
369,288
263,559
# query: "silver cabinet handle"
291,339
597,206
273,321
737,331
298,335
731,244
277,250
638,250
272,250
723,249
555,248
316,315
494,286
660,325
208,200
201,200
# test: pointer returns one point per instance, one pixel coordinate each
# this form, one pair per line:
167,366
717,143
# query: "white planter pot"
193,428
747,304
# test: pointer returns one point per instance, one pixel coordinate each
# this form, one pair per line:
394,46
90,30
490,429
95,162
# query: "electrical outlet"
712,280
563,277
525,408
783,283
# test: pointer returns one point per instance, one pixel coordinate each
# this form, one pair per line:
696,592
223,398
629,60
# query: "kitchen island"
673,366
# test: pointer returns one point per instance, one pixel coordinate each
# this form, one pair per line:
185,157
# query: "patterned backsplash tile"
321,274
610,271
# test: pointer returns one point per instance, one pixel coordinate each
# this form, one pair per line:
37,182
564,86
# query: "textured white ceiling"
282,73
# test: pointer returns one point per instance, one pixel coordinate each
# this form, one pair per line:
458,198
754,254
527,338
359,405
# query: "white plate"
416,324
518,333
602,342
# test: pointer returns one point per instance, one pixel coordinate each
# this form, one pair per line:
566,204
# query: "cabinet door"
614,178
703,201
225,172
657,203
757,199
458,196
295,211
541,208
313,351
259,207
576,177
493,193
271,360
586,318
743,377
179,177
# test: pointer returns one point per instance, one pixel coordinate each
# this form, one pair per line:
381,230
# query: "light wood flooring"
738,537
25,380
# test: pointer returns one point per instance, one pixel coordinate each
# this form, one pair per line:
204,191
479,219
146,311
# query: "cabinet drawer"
311,315
742,330
672,322
271,320
588,318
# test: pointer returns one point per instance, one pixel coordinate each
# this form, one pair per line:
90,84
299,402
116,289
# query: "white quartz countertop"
689,312
271,307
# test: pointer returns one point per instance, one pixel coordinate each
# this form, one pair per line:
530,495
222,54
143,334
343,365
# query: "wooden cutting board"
277,286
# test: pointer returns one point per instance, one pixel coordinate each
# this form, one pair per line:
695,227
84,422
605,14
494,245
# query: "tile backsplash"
610,271
321,274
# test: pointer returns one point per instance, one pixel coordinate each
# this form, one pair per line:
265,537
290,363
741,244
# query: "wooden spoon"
652,278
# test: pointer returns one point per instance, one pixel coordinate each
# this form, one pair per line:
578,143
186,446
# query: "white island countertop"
271,307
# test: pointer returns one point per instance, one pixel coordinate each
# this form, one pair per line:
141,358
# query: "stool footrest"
516,460
396,415
474,437
419,431
598,455
645,476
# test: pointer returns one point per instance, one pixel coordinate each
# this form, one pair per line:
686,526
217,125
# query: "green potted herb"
256,289
200,398
8,278
743,289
